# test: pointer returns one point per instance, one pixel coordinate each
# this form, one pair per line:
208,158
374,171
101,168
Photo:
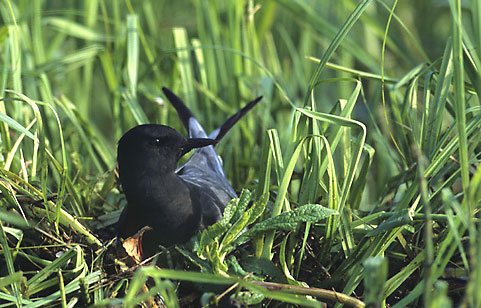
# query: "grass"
359,170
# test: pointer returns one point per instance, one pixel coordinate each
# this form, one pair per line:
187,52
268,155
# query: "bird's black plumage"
175,201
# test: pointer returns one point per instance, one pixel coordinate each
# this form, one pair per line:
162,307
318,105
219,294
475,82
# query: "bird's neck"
137,169
149,184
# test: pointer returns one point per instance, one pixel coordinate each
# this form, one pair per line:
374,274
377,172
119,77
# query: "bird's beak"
192,143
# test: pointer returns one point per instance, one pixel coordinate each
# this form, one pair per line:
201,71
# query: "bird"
175,202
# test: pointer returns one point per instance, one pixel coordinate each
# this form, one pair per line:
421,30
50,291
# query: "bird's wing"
184,113
205,160
193,126
213,192
219,133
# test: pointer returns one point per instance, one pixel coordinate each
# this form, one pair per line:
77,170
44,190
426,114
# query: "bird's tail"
193,126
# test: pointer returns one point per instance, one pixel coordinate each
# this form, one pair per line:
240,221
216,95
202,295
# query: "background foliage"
362,158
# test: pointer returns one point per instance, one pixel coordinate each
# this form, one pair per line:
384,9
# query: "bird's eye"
156,141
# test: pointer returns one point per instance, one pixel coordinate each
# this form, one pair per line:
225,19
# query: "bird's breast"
163,203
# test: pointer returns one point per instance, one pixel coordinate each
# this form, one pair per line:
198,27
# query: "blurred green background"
110,59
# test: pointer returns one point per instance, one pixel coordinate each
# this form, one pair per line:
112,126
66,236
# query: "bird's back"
204,173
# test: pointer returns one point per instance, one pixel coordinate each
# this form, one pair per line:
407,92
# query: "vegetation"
359,170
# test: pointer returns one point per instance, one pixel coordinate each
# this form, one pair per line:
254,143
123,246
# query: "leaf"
234,231
249,298
15,125
10,279
229,211
214,256
235,269
289,220
258,208
401,219
242,203
212,233
133,245
244,199
264,267
247,218
284,266
75,29
192,257
376,271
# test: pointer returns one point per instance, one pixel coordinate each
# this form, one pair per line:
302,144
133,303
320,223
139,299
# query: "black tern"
175,202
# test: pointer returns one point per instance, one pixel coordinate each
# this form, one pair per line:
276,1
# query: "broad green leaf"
289,220
244,199
234,231
258,208
212,233
229,211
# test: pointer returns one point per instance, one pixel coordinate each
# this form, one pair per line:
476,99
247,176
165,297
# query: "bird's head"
154,147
